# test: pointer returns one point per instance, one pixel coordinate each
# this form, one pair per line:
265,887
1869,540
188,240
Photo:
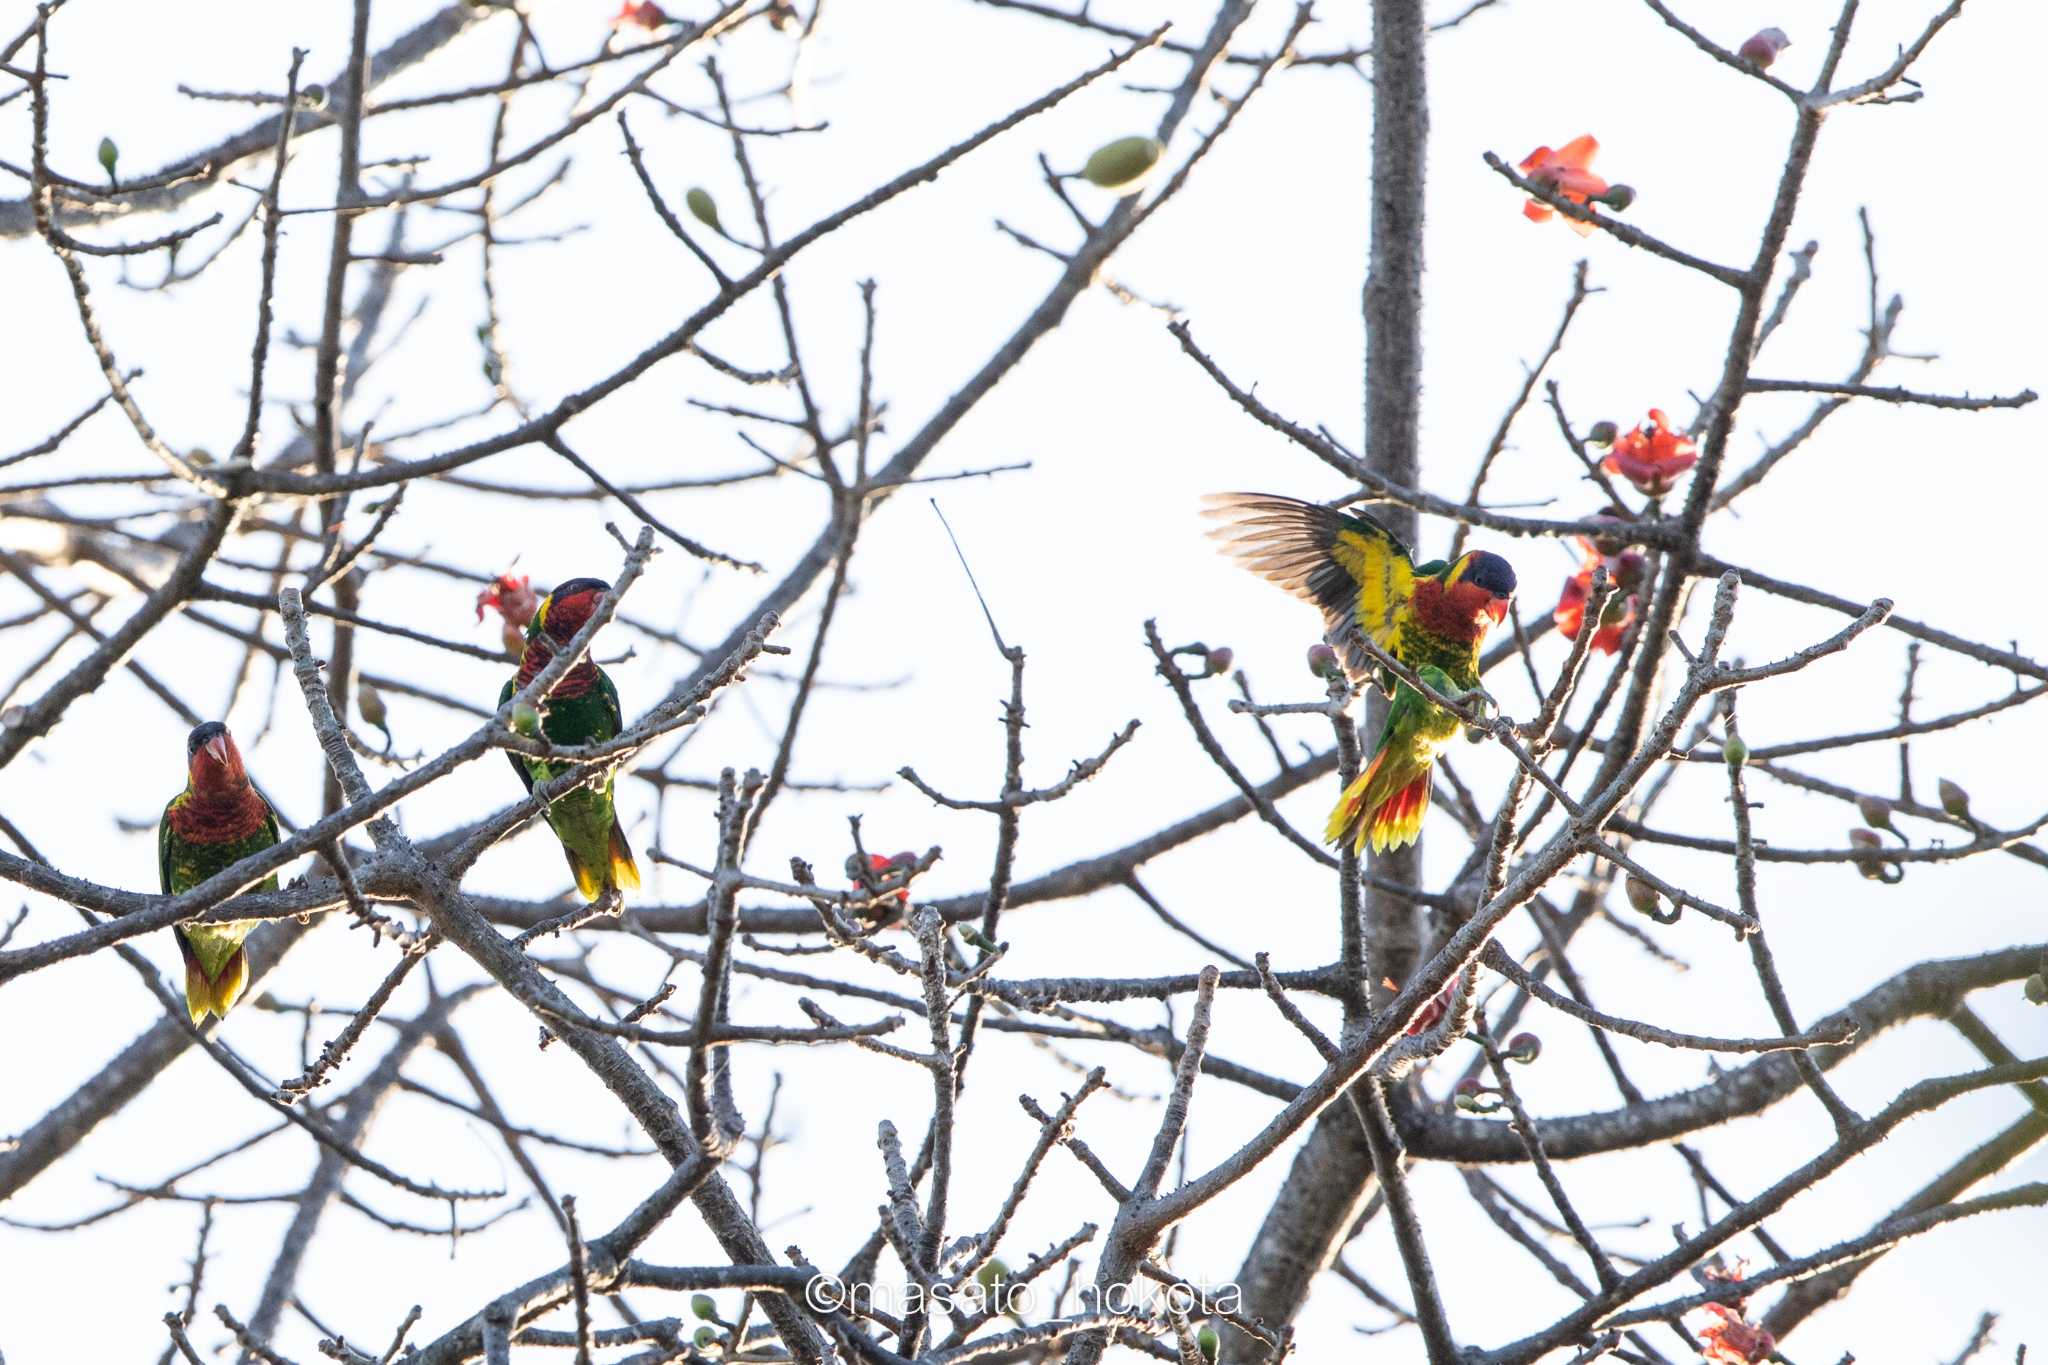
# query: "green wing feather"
1355,570
609,693
517,761
164,836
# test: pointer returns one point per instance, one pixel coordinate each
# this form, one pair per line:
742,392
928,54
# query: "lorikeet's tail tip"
618,869
218,995
625,872
1398,821
1394,823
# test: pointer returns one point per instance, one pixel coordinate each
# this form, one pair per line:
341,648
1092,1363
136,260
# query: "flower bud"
1618,197
1867,844
992,1273
2037,989
526,719
313,96
705,1336
1205,1342
109,154
1602,434
1875,810
370,705
1642,896
1474,1098
1323,662
703,1307
1124,164
1219,661
978,939
1524,1048
1735,752
703,207
1761,48
1954,799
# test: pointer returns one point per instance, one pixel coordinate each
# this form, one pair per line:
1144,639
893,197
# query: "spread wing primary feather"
1431,617
1354,569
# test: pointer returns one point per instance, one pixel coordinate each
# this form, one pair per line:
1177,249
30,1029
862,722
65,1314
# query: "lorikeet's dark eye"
1492,573
202,733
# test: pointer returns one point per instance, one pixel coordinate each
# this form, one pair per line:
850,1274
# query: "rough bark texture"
1332,1175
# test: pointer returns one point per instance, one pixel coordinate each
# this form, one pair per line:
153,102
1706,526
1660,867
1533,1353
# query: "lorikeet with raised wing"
583,708
1432,617
218,820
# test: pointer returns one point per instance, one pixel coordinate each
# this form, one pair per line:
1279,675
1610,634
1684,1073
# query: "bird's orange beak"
1498,609
218,747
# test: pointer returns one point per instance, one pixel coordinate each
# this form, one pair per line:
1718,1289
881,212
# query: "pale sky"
1265,254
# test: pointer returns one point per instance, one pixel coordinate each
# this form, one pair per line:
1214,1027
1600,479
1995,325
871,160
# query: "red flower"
1733,1339
1624,570
646,14
881,867
515,600
1565,170
1652,456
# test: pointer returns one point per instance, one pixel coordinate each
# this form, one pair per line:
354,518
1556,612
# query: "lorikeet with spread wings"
583,708
1431,617
218,820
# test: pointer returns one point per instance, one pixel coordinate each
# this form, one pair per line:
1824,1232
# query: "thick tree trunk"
1332,1175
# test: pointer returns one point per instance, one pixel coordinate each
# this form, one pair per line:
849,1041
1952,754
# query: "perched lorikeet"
1432,617
582,709
218,820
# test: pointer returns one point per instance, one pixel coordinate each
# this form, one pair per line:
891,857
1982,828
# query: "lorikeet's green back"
585,820
1432,617
218,820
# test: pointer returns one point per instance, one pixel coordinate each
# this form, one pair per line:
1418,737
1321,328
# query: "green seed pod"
2037,989
703,1307
1205,1342
705,1336
992,1273
1735,751
1122,165
703,207
1875,810
370,704
109,154
526,719
1641,895
1954,799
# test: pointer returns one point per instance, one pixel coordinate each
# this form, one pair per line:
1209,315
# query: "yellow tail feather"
588,884
1374,812
625,872
198,993
218,996
232,981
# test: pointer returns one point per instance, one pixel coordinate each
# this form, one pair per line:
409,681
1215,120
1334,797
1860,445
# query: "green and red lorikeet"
1431,617
218,820
583,708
